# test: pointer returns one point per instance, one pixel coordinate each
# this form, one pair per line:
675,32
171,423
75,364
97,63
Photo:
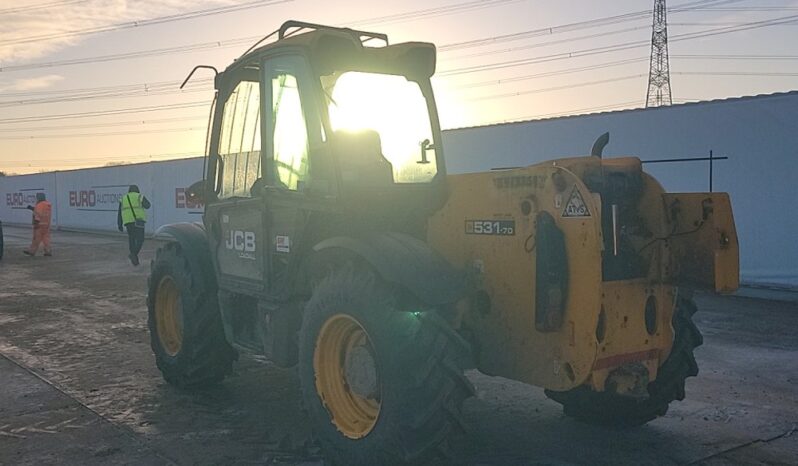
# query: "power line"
557,88
106,125
110,158
431,12
146,22
129,55
550,43
491,97
541,32
129,90
117,133
574,112
40,6
766,74
106,95
95,89
224,43
549,74
729,23
746,9
229,43
734,57
581,53
570,27
169,83
246,40
616,47
103,113
122,111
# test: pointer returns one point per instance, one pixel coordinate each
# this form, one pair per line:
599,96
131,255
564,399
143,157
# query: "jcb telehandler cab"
333,240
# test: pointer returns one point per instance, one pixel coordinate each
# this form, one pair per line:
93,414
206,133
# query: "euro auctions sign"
22,199
97,198
183,201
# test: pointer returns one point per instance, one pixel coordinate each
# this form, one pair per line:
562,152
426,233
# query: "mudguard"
194,241
404,260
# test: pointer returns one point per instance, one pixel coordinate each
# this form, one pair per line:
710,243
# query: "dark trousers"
135,238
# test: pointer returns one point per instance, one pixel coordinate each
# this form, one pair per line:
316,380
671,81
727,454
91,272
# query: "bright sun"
393,107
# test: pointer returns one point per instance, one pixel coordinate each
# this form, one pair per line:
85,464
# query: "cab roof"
339,48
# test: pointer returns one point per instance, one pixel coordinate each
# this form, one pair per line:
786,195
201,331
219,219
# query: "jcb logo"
243,241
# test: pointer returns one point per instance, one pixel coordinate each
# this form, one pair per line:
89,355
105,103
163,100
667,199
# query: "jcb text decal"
243,242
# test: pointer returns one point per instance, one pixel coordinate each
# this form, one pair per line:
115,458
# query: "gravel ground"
79,385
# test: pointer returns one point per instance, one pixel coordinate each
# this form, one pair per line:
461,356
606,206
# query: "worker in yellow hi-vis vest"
133,216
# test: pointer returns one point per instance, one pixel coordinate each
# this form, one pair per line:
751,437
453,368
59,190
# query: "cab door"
236,219
295,155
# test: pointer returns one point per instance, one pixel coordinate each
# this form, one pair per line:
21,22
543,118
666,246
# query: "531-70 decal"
490,227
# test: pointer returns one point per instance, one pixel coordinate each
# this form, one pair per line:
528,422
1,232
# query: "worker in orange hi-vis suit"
41,226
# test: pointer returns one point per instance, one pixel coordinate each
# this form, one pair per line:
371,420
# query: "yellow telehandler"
334,241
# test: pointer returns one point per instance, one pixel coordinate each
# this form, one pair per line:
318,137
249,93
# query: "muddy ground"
78,385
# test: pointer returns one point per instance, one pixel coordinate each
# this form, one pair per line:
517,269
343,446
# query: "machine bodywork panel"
612,308
705,246
488,227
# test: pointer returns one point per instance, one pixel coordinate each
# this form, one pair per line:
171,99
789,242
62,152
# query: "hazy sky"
499,60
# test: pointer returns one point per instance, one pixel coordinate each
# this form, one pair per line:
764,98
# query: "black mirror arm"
426,145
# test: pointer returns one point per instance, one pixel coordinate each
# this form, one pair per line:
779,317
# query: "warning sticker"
575,207
282,244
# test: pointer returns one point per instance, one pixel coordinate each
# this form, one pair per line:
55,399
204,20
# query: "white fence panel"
168,194
89,199
18,192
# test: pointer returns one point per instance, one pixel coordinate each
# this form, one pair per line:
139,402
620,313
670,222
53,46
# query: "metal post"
615,229
710,171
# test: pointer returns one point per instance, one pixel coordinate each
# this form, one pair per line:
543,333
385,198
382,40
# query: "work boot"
134,259
27,253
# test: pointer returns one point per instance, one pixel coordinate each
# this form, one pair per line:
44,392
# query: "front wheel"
610,409
382,385
186,332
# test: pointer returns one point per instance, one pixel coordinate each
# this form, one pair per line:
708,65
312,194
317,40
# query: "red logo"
183,201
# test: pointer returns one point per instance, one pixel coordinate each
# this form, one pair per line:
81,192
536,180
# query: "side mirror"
197,192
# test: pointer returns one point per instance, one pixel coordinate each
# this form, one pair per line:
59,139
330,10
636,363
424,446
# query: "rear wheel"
611,409
381,385
186,332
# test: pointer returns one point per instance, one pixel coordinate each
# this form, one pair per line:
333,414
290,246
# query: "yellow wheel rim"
169,316
347,376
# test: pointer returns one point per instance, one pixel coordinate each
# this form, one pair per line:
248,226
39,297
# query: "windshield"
396,109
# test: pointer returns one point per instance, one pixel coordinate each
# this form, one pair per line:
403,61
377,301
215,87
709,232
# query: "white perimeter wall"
759,134
18,192
88,199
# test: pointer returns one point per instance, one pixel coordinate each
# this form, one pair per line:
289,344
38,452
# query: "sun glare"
393,107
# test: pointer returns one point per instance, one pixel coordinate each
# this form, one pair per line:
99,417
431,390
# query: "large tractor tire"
610,409
186,332
382,385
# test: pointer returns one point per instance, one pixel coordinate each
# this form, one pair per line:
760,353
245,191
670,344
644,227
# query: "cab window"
396,110
240,141
290,132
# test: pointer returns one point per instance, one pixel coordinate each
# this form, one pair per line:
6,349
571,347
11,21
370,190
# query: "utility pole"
659,77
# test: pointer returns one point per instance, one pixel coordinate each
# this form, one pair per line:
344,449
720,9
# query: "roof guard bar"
303,25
